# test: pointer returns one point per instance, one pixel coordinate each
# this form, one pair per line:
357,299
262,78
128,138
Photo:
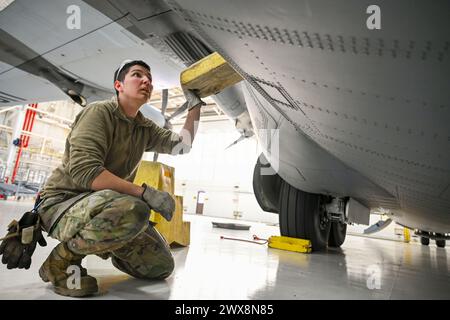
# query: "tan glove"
160,201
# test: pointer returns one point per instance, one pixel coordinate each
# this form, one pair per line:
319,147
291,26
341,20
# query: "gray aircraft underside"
361,113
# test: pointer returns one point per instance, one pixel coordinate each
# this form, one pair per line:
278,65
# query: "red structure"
28,123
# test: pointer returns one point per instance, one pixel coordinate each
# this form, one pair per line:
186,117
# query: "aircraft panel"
96,56
305,164
377,100
30,90
42,25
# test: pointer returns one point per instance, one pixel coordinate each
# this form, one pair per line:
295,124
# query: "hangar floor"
211,268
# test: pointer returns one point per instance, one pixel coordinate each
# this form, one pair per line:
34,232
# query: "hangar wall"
225,175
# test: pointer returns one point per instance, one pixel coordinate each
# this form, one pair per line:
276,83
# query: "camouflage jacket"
102,137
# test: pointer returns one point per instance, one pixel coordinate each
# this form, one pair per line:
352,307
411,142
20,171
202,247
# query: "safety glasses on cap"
127,62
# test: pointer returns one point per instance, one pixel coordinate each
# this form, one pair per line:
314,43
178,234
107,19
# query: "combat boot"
54,269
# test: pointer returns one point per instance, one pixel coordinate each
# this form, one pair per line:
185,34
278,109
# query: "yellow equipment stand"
406,235
290,244
162,177
209,75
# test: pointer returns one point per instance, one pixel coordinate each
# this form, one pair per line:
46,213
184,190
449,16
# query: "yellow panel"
209,75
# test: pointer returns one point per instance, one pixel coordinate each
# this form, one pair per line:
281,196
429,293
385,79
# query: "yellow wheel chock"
280,242
290,244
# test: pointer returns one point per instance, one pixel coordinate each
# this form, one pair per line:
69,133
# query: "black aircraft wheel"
302,215
338,231
440,243
425,241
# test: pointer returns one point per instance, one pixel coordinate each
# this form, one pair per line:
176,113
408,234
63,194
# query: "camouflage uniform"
107,223
111,224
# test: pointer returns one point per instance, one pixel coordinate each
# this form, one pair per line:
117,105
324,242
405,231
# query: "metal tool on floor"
280,242
245,240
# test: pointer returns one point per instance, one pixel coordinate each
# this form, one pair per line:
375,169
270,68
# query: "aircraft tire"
440,243
303,216
338,232
424,241
266,187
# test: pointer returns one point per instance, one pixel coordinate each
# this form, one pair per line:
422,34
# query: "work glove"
192,99
159,201
19,244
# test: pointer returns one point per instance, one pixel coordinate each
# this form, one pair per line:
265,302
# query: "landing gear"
266,186
426,236
424,241
441,242
303,215
338,231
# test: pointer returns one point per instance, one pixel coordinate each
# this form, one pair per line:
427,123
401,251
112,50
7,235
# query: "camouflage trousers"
112,224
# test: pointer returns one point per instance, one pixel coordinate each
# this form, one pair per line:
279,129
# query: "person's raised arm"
166,141
190,126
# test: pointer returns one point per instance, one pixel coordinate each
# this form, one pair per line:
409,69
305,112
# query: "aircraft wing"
43,57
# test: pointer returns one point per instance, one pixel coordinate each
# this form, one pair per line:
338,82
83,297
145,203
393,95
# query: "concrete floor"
211,268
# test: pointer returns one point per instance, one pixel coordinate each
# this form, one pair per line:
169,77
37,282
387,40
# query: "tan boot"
55,267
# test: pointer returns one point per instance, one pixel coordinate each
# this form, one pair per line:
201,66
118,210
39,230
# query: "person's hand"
19,244
160,201
192,99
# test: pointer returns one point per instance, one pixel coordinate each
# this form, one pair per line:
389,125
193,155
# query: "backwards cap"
128,62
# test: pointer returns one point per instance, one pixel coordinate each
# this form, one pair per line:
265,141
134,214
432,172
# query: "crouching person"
89,202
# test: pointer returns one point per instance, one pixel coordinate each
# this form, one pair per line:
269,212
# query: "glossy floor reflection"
211,268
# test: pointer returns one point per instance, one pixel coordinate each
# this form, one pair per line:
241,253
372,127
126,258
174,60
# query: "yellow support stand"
162,177
290,244
406,235
209,75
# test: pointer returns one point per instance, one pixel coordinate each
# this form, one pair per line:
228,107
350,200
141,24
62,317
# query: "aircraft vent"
188,48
